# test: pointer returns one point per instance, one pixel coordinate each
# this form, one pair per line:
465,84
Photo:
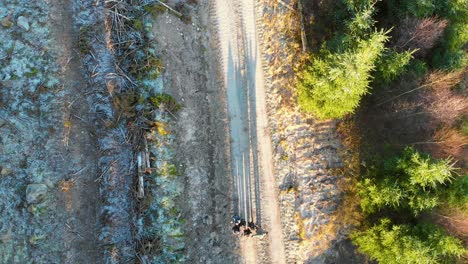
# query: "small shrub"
456,194
166,102
32,73
161,128
391,65
145,66
451,53
168,169
138,24
83,40
154,9
418,68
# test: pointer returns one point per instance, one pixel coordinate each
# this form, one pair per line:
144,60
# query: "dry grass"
280,41
349,214
66,185
455,221
449,141
446,104
419,34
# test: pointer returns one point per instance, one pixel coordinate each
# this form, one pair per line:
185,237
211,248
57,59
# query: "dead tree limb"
302,22
170,9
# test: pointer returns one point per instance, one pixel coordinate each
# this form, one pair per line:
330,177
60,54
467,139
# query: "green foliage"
421,8
32,73
423,243
392,64
146,65
363,21
84,36
409,181
456,194
166,101
464,126
451,54
138,24
333,84
336,79
422,170
418,68
154,9
172,170
379,194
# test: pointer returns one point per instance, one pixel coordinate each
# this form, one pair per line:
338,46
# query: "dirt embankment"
306,151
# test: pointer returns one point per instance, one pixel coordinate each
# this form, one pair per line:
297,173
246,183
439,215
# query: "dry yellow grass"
66,185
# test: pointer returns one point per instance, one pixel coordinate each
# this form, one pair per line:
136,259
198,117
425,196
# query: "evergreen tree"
421,244
411,180
337,78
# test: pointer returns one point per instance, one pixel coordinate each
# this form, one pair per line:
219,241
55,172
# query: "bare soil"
77,144
191,75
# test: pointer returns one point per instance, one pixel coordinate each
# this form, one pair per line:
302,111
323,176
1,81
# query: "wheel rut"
255,197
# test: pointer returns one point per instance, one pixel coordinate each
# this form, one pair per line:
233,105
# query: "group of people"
242,227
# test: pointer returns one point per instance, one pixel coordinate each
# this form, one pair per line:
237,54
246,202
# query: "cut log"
141,184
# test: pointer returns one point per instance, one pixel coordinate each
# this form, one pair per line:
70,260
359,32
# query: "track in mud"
255,197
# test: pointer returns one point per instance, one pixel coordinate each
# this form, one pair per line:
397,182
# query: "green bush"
166,101
451,54
456,194
392,64
418,68
409,181
421,8
422,243
362,22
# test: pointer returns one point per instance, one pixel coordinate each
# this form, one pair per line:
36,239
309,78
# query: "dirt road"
66,156
256,196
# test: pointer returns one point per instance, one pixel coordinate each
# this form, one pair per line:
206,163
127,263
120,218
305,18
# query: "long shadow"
243,128
238,119
251,62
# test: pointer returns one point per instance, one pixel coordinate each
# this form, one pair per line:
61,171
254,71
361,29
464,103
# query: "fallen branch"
286,5
170,8
303,34
141,184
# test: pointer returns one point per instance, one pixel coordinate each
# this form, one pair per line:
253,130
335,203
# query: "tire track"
250,142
